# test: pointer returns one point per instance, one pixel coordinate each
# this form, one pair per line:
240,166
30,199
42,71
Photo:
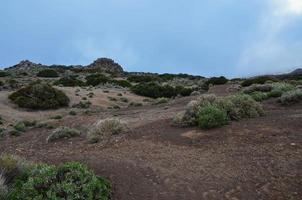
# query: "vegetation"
106,128
69,82
48,73
142,78
291,97
39,95
62,132
279,89
3,73
20,126
258,80
211,116
97,79
161,100
217,80
122,83
213,109
155,90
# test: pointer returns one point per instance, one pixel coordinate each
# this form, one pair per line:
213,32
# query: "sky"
234,38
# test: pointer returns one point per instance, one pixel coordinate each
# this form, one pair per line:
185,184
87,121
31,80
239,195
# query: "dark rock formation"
106,65
297,72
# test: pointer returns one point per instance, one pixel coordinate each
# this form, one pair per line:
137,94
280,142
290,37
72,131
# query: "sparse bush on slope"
48,73
217,80
211,116
236,107
258,88
279,89
258,80
291,97
106,128
3,73
97,79
39,95
69,82
62,132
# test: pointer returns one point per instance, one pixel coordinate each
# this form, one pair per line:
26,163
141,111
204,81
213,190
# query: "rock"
26,66
106,65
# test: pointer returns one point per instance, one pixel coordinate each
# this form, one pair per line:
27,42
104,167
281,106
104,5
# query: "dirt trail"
258,158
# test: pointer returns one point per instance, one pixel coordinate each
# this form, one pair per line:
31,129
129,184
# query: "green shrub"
124,99
62,132
141,78
57,117
122,83
155,90
211,116
279,89
135,104
1,83
258,88
39,96
217,80
29,123
20,126
3,73
106,128
82,104
258,80
48,73
69,82
14,133
68,181
97,79
291,97
161,100
3,187
259,96
72,112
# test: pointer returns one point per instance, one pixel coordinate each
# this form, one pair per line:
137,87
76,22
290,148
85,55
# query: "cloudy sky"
205,37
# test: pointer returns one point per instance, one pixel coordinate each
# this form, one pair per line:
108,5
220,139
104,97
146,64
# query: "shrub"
257,80
124,99
62,132
39,96
161,100
142,78
82,104
20,126
12,166
217,80
155,90
68,181
211,116
259,96
14,133
97,79
57,117
258,88
122,83
69,82
3,187
48,73
291,97
106,128
72,112
3,73
1,83
135,104
279,89
29,123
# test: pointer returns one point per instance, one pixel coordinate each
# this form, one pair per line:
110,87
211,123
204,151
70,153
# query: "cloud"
268,51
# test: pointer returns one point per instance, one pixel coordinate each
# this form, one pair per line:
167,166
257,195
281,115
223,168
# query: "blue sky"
205,37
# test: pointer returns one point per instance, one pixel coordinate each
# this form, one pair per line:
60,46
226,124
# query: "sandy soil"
258,158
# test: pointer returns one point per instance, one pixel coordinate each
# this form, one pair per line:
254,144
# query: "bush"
259,96
12,166
3,187
122,83
217,80
106,128
279,89
20,126
161,100
68,181
3,73
142,78
211,116
39,95
62,132
291,97
155,90
69,82
48,73
97,79
258,80
258,88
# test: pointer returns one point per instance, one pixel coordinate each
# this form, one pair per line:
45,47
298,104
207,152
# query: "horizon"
222,38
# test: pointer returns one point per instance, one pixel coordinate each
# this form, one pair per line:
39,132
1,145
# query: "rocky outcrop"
106,65
26,66
297,72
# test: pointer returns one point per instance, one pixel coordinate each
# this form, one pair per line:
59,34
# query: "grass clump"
20,126
71,180
291,97
62,132
105,129
48,73
161,100
39,95
211,116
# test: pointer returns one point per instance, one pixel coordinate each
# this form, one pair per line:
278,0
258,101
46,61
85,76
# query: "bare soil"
257,158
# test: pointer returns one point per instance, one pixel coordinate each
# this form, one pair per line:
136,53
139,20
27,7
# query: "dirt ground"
257,158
